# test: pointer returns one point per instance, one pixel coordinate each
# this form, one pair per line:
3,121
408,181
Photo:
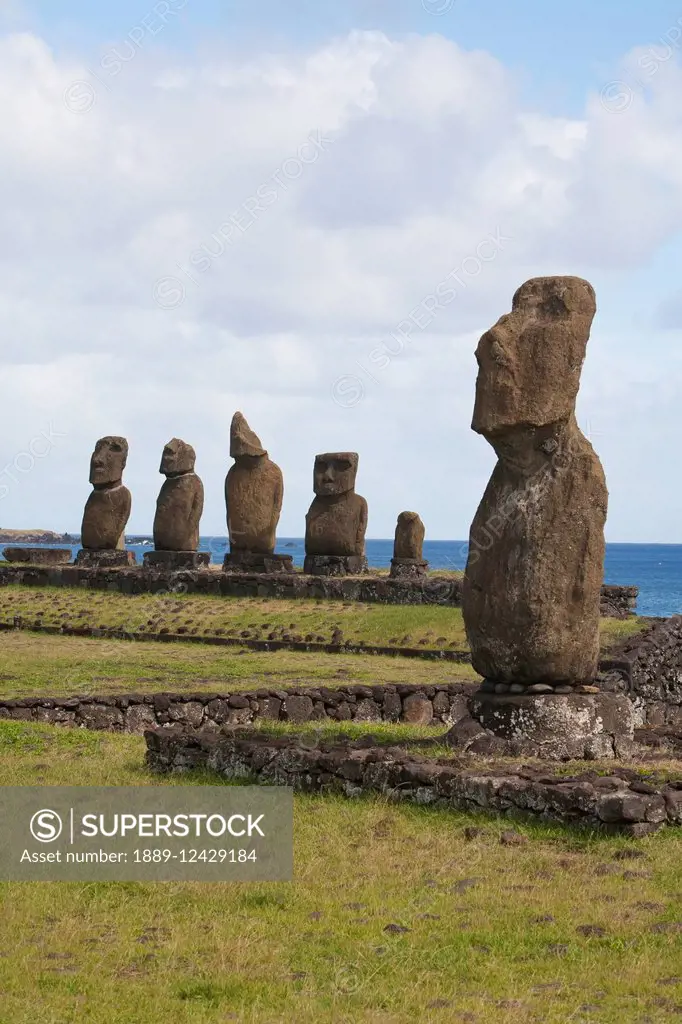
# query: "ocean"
655,568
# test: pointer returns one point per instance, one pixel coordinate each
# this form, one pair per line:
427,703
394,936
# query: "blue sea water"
655,568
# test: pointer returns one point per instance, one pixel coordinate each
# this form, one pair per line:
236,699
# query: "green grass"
32,664
247,617
508,948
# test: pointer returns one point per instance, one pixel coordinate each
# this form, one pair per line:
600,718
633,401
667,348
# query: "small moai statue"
408,557
532,584
336,522
107,510
178,511
254,489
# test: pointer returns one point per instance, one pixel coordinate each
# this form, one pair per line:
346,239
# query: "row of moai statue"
336,522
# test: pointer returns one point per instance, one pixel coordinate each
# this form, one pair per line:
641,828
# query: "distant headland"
35,537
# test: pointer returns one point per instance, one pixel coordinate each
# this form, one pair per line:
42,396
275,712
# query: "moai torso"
254,489
107,509
180,502
532,585
337,519
409,537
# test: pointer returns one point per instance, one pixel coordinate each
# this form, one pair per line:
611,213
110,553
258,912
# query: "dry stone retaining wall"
620,801
417,705
431,589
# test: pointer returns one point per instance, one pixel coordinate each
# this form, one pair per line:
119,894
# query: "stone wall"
431,589
648,667
444,704
621,801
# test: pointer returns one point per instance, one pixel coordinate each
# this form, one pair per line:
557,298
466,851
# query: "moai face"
178,457
530,361
335,473
108,461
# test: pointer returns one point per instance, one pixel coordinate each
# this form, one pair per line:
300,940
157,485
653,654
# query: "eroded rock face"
409,536
254,489
107,510
181,500
536,547
337,519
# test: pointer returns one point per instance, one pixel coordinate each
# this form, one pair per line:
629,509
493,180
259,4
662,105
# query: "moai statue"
178,511
408,558
107,510
536,547
254,490
337,519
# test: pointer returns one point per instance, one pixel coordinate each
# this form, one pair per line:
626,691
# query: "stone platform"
335,565
257,562
408,568
110,559
555,726
172,560
38,556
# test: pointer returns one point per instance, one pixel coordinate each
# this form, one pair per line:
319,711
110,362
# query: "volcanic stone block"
180,502
559,726
253,561
536,547
336,522
112,559
254,489
176,559
38,556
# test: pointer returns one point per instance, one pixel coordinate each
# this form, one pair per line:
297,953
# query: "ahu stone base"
557,727
408,568
113,558
38,556
256,561
176,559
335,565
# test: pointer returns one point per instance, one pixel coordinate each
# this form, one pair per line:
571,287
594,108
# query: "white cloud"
425,152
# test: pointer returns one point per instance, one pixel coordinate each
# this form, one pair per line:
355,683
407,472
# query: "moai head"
178,457
108,461
335,473
243,442
529,363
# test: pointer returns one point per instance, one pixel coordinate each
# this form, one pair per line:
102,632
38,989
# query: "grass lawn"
429,626
560,929
32,664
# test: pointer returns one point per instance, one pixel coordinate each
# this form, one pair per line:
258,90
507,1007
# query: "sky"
210,206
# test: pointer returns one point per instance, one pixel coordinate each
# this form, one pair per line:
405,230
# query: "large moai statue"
536,547
178,511
408,557
107,510
336,522
254,489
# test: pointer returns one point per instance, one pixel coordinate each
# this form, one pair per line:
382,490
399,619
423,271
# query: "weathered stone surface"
171,561
337,519
557,726
536,547
254,561
107,510
335,565
38,556
408,568
254,489
398,774
409,537
107,559
181,500
417,709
